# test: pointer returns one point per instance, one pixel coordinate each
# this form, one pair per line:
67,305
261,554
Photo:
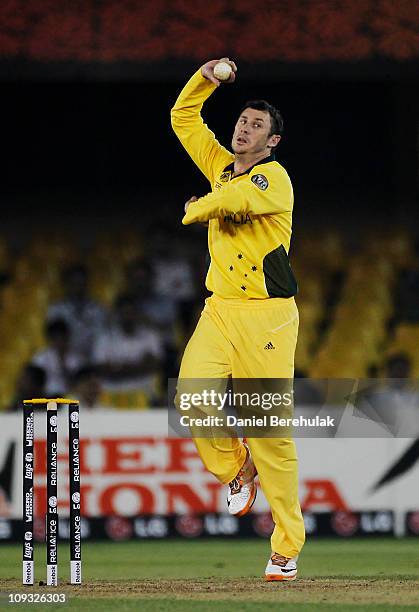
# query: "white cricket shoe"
242,494
281,568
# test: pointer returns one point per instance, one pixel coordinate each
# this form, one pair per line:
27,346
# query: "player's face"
252,132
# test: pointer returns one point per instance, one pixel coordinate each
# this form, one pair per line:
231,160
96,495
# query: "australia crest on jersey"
223,178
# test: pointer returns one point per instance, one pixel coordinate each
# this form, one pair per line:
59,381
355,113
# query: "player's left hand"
192,199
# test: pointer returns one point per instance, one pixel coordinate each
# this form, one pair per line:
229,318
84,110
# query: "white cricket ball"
222,71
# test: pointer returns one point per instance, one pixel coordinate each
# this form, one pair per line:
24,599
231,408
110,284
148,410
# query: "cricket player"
249,325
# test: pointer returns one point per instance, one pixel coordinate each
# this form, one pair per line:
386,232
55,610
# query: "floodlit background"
101,285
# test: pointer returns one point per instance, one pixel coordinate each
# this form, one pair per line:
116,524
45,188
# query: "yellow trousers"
231,341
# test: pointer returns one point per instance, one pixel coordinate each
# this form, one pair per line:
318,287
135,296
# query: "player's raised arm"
189,126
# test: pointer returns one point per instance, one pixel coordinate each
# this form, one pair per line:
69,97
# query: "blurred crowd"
108,325
119,353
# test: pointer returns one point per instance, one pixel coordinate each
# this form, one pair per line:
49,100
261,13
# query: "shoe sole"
249,504
279,578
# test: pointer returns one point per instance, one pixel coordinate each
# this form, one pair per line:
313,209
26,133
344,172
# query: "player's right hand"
207,70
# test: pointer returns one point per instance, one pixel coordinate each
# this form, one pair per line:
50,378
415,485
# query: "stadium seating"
347,299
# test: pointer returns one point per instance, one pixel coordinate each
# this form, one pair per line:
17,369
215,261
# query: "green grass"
376,574
225,558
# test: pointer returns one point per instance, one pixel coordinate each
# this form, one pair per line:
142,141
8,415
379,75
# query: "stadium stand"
351,301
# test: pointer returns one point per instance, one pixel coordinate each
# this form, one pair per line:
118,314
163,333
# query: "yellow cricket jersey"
250,215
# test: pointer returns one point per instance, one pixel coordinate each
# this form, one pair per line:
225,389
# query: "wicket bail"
52,489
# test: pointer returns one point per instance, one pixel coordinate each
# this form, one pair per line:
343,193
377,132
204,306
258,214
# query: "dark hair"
399,360
57,327
74,270
140,263
277,121
37,375
126,299
83,374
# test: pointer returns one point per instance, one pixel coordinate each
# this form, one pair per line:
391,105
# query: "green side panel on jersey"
279,278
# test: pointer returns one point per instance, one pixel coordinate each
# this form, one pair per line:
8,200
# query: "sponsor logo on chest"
238,218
